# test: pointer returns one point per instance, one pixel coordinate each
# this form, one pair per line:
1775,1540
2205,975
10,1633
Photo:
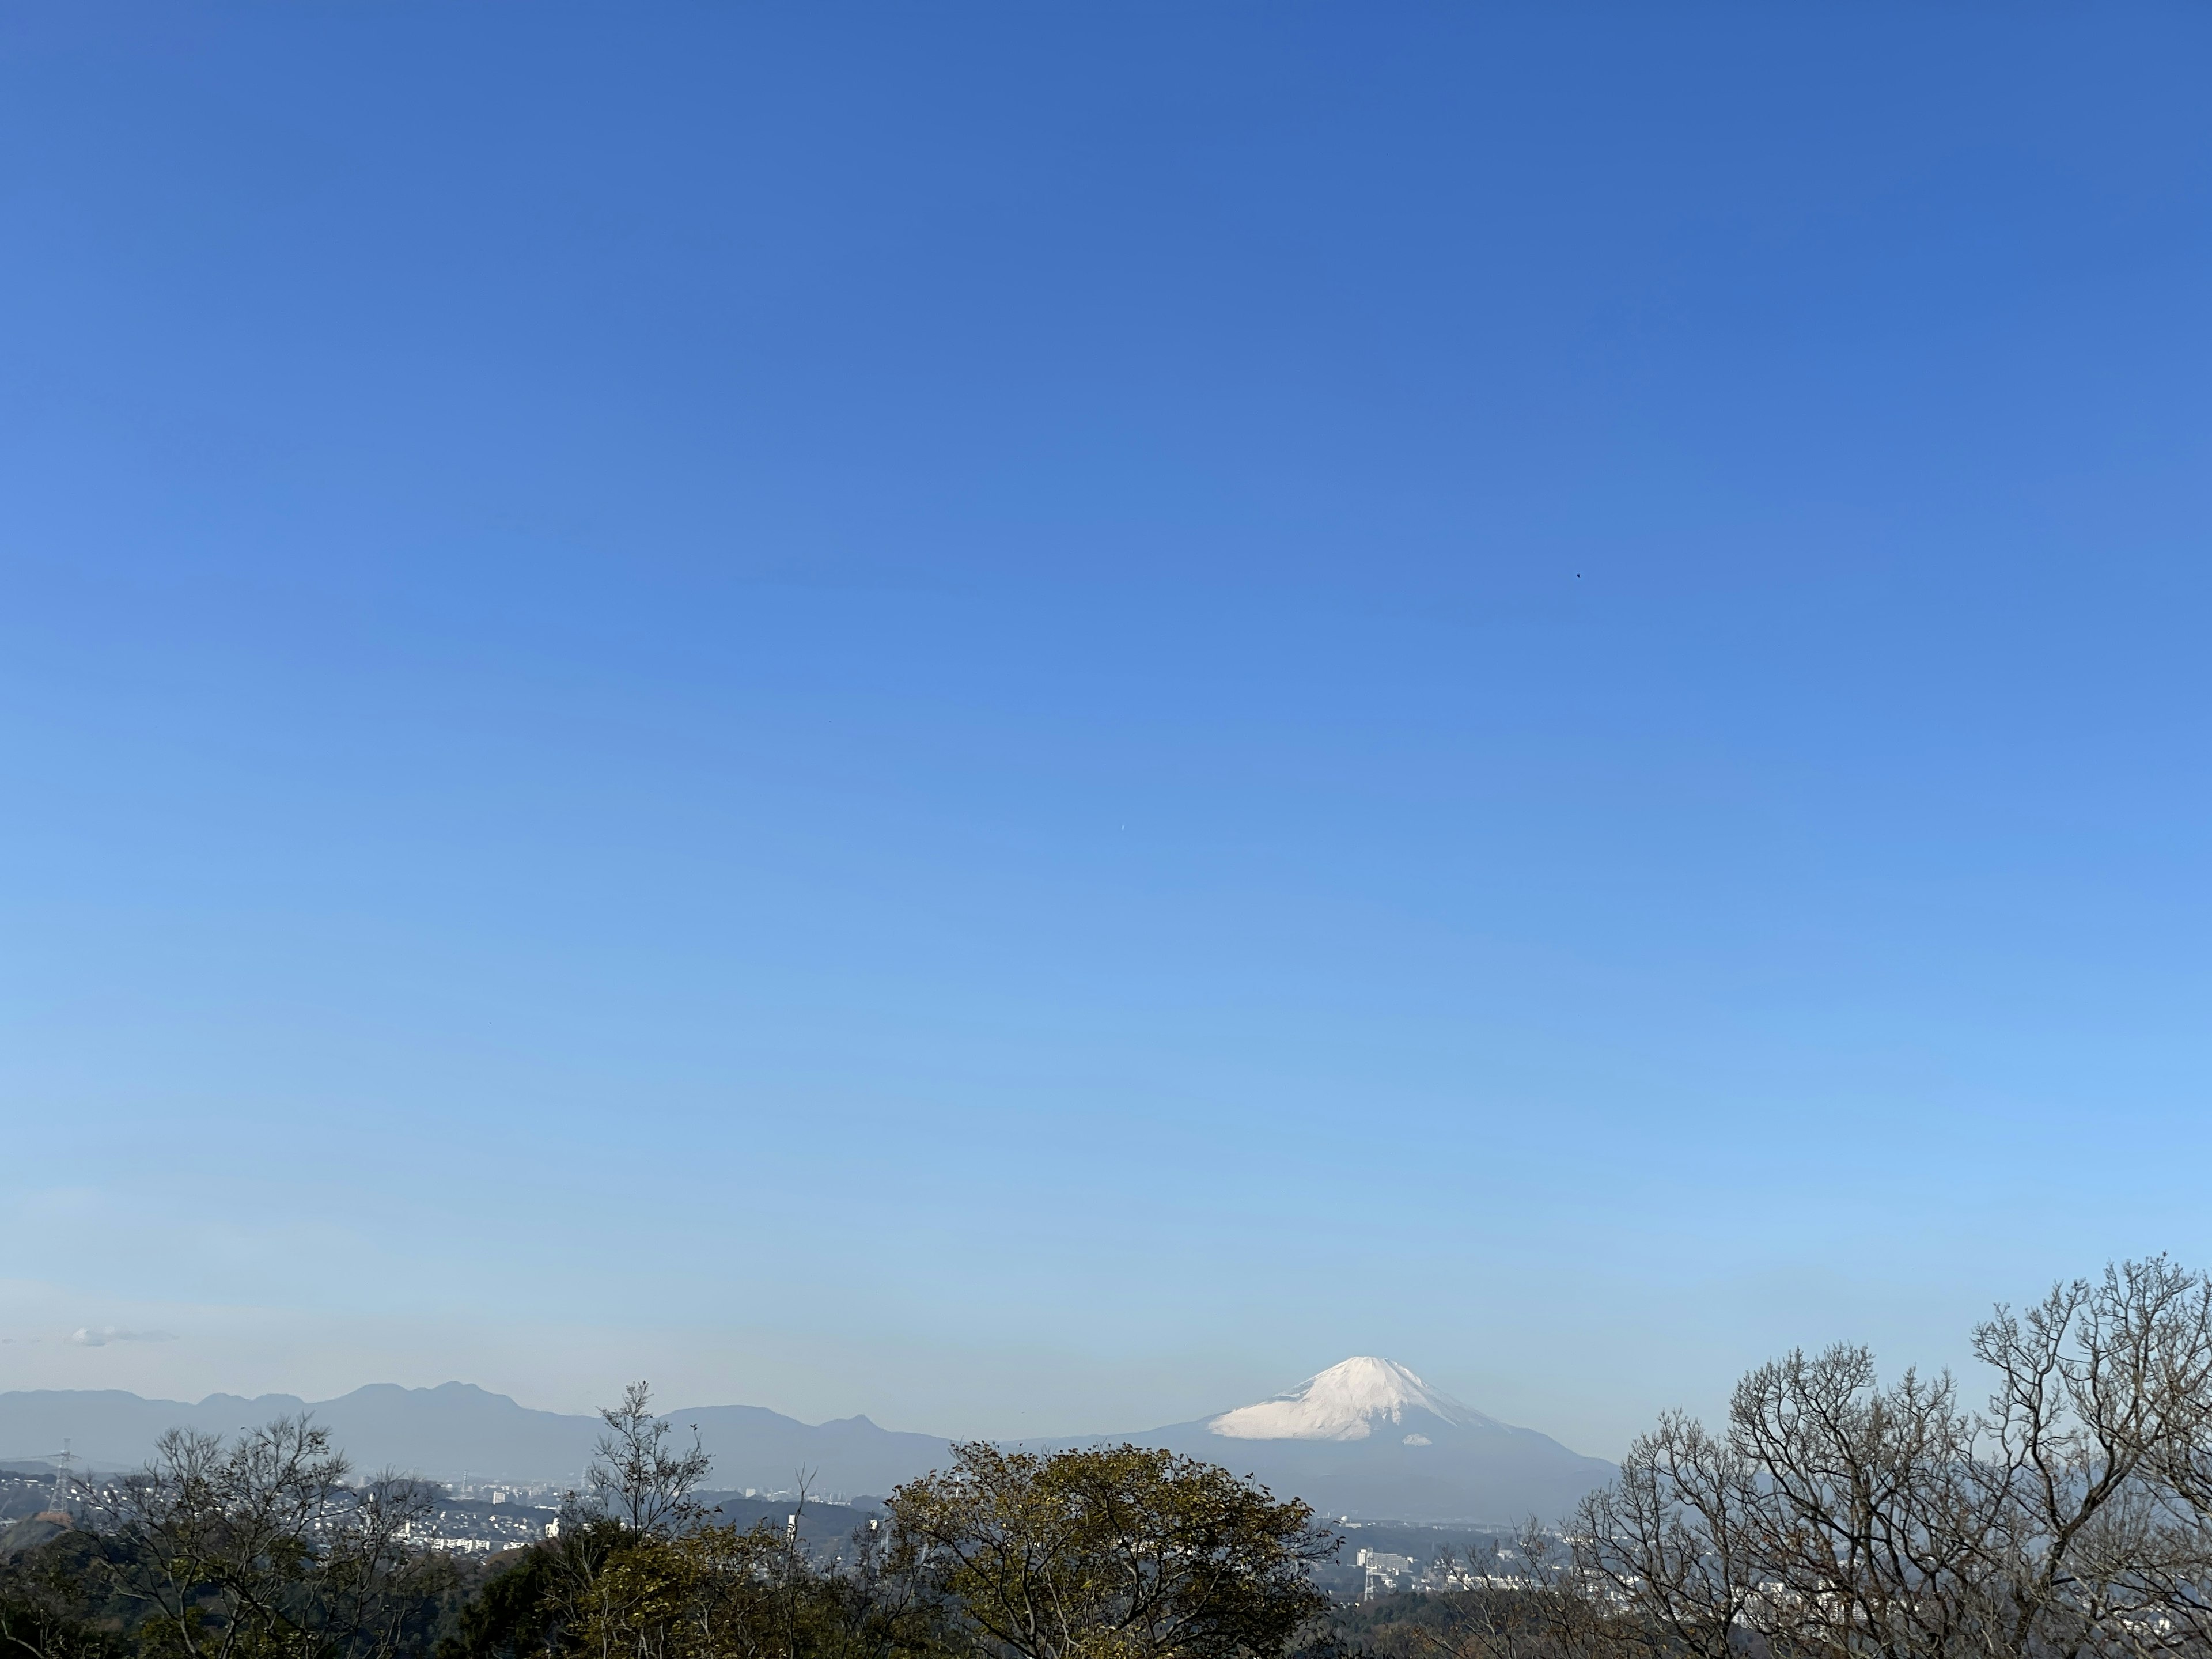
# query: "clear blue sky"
1029,717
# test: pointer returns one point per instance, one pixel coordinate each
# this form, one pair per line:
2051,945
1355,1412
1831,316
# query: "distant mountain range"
458,1429
1366,1438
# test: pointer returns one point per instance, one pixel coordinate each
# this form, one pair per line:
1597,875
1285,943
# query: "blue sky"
1028,718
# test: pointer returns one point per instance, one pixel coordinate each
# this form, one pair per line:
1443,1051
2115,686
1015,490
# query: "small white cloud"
86,1336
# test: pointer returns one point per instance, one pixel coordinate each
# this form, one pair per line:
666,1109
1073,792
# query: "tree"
719,1593
259,1549
1112,1550
643,1573
609,1591
45,1612
1524,1601
1837,1516
613,1580
538,1605
640,1479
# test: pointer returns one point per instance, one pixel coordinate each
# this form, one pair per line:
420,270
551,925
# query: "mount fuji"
1367,1439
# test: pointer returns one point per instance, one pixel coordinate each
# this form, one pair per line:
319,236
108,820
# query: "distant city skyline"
1026,721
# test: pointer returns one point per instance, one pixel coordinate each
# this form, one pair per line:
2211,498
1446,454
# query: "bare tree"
1837,1516
260,1548
1868,1511
1671,1538
2097,1438
1527,1601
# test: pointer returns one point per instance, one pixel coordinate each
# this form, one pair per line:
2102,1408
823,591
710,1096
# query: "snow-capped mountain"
1368,1438
1350,1401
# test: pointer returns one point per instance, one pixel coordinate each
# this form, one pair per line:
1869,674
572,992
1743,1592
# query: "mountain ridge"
1325,1441
455,1430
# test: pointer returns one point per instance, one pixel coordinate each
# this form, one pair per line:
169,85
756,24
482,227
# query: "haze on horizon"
1029,720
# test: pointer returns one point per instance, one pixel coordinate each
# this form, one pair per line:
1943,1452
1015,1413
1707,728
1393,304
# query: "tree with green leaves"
603,1590
639,1570
719,1593
1112,1553
45,1612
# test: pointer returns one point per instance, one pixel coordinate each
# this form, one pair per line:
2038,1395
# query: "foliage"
40,1630
260,1550
637,1477
717,1593
1112,1553
536,1604
612,1592
45,1615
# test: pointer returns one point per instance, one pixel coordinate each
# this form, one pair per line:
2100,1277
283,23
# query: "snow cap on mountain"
1344,1402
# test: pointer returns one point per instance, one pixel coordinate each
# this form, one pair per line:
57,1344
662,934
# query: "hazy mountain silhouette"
1366,1438
458,1429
